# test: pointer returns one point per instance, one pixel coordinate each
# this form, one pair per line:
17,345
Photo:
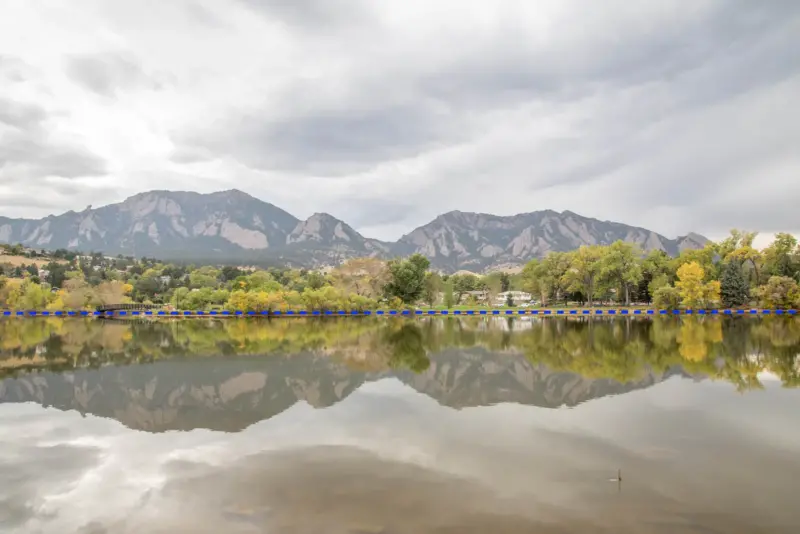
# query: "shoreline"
504,312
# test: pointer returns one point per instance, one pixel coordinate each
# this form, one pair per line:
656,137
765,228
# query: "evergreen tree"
505,282
640,292
734,289
449,298
407,278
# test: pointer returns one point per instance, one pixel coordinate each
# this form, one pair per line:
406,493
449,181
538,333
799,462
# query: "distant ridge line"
232,227
381,313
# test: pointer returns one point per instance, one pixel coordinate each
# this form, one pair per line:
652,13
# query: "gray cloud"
312,15
410,107
189,154
336,142
373,212
13,70
28,151
749,44
22,500
108,74
663,114
205,17
20,115
35,157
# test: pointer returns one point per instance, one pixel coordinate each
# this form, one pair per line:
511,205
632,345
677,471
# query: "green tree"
197,300
505,282
34,296
315,280
546,277
463,283
781,258
491,285
657,271
584,271
179,297
433,286
57,274
219,297
198,280
530,278
779,292
146,287
666,298
704,257
736,240
734,289
261,281
407,278
620,266
751,257
408,348
230,273
449,297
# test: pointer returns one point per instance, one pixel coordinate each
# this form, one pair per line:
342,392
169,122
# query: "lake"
400,425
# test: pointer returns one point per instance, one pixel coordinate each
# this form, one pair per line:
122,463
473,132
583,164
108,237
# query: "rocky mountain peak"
235,195
324,228
233,392
235,226
324,218
691,241
695,237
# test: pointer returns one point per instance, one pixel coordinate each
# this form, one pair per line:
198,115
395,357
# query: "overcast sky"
673,115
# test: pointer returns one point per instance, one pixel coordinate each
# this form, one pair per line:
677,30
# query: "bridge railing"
126,307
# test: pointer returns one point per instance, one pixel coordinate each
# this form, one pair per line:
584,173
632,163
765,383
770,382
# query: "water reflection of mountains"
226,375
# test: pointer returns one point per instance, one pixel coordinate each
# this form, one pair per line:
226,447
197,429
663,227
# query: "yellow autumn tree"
362,276
258,301
692,340
274,301
58,302
238,301
694,292
690,284
712,293
10,293
696,336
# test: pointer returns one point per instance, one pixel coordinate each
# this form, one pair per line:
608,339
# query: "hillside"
236,227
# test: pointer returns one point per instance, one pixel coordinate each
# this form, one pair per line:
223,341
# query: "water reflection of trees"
737,350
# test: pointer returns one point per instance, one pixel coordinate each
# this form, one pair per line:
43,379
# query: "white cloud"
58,465
664,115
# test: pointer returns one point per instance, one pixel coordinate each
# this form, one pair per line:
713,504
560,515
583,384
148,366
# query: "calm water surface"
434,425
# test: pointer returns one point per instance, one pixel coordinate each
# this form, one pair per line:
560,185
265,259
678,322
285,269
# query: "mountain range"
232,226
230,393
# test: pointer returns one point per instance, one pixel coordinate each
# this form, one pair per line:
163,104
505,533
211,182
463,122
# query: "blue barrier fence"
383,313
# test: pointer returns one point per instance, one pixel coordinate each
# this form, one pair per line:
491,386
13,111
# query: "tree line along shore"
730,273
734,351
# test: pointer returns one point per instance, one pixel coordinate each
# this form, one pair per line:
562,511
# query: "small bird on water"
619,477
